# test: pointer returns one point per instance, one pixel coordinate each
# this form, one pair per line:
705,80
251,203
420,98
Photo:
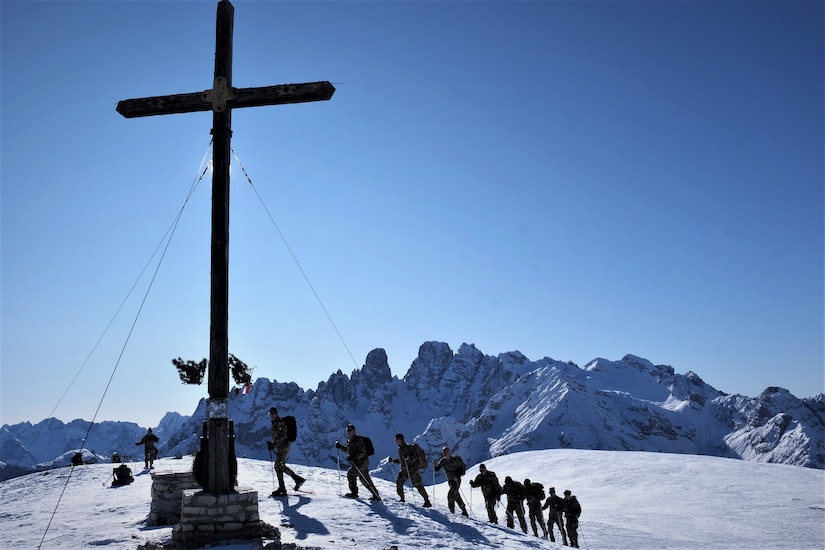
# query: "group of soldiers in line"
563,512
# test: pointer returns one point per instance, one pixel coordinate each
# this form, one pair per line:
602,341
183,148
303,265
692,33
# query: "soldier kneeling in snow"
122,475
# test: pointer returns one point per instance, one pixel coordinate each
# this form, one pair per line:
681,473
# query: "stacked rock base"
230,518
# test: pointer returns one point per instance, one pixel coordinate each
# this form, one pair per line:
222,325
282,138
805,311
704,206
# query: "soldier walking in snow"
572,511
410,464
556,505
535,494
490,488
280,444
454,468
149,450
356,449
515,502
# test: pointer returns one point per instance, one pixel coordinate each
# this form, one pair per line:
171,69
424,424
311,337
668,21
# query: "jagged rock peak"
434,353
433,360
471,352
338,388
376,369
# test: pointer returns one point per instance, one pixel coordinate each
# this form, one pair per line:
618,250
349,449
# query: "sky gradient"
571,180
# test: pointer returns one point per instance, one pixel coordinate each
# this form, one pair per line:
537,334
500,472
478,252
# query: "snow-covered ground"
630,500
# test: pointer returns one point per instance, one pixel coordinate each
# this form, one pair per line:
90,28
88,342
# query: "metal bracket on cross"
219,95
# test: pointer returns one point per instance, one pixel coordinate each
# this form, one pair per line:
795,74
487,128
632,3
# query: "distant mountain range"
480,405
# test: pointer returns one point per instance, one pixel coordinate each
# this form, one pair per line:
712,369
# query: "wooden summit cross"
221,99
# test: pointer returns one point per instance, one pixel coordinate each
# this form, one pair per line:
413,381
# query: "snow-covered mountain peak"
483,406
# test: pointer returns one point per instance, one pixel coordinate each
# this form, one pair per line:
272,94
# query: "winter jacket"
148,441
514,491
555,503
355,448
451,466
407,457
534,493
488,482
279,438
572,508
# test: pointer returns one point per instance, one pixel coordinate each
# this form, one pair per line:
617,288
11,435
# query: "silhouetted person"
149,450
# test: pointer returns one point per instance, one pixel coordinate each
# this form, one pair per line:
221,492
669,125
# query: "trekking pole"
581,534
370,486
392,469
272,463
338,460
407,467
460,492
434,499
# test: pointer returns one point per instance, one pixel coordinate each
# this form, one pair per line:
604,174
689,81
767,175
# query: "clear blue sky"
567,179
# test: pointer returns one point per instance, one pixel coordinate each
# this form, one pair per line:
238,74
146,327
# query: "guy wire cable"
301,269
170,232
295,259
128,294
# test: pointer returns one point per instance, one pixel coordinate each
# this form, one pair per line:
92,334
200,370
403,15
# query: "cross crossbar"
281,94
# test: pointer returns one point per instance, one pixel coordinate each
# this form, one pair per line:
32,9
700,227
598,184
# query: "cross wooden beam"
221,99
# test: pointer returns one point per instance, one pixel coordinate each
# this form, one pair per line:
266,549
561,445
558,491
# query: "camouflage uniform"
451,465
359,465
409,469
534,507
555,517
281,445
515,502
572,511
490,487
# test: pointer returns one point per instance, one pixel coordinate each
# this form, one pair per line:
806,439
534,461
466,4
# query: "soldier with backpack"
149,451
454,468
281,444
535,494
515,502
411,458
572,511
358,448
122,475
490,488
556,505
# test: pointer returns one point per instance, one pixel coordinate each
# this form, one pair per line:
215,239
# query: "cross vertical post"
218,383
221,99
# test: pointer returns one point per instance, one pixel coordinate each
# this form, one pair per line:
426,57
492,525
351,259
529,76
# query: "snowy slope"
630,500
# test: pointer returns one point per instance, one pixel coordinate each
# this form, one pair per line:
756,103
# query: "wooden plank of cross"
221,99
